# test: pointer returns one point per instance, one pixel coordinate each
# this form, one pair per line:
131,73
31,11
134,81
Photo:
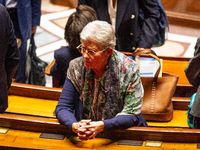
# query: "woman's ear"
109,52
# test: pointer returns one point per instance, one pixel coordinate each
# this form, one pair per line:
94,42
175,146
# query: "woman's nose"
85,55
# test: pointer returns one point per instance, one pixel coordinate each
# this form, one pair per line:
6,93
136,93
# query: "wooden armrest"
47,71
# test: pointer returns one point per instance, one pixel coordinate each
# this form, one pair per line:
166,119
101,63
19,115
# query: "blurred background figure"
25,15
76,22
130,31
192,72
9,56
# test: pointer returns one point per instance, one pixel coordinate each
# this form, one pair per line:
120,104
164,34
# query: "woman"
106,81
76,22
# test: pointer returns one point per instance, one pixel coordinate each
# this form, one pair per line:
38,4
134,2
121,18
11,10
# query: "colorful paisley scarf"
120,89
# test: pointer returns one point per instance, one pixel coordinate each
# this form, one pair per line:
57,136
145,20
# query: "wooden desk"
20,139
173,65
36,114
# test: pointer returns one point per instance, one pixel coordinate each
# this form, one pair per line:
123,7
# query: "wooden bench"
173,65
37,120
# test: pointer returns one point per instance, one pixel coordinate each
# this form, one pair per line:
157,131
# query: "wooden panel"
47,71
134,133
31,106
31,140
175,131
176,67
35,91
179,120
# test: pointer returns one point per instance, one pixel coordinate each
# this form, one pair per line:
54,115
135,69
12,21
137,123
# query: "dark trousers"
20,76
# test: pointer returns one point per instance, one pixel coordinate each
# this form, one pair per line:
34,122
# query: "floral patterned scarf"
120,89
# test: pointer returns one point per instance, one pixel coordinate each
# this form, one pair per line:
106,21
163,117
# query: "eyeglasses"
90,52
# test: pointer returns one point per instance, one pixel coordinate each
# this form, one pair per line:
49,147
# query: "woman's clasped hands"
87,129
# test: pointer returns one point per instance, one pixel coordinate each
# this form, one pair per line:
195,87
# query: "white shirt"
112,12
11,4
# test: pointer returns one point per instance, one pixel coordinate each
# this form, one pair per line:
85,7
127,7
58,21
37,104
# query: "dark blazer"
62,58
9,56
192,72
128,32
29,13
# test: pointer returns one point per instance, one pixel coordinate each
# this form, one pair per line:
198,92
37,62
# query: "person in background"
131,33
9,56
25,15
103,89
76,22
192,72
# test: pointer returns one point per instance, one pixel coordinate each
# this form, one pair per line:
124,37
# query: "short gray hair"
99,32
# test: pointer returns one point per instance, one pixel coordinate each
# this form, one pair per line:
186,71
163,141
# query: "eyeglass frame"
80,49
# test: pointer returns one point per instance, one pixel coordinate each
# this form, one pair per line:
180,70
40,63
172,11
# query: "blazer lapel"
121,9
101,6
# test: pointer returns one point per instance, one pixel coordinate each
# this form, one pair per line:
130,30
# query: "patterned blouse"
118,92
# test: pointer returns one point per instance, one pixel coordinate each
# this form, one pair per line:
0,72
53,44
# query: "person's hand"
33,31
77,125
89,131
86,132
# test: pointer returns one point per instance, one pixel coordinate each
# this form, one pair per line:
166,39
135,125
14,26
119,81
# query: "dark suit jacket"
62,56
9,56
128,31
192,72
29,13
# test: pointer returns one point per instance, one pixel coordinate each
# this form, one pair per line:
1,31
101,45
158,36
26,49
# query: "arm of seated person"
65,108
124,122
87,129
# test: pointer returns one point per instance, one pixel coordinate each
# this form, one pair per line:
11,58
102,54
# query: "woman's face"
94,61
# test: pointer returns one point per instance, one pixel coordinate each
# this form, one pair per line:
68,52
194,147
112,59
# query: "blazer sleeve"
150,25
36,12
65,109
12,55
192,70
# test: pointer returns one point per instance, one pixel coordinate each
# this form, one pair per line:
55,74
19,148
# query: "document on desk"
149,66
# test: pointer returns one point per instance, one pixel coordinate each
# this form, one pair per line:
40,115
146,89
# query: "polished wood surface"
173,65
31,120
28,90
183,12
27,117
19,139
47,71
